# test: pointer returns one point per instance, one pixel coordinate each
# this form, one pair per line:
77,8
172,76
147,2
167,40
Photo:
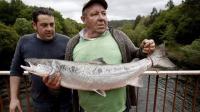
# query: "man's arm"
14,91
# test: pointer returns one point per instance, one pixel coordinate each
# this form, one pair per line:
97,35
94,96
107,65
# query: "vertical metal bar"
137,99
166,83
155,94
1,104
195,95
185,95
147,99
27,95
7,81
174,100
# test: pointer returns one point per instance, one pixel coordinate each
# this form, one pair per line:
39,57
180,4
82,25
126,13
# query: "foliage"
157,30
192,2
186,57
192,53
71,27
127,29
26,13
8,39
59,21
58,26
137,20
10,11
23,26
178,27
5,13
150,19
170,4
140,32
185,25
120,23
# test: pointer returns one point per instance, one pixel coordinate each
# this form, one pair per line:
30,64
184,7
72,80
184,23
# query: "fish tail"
160,59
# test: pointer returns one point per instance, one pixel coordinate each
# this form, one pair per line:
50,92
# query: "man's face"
45,27
95,18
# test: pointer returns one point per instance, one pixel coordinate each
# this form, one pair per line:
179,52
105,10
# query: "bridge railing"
166,91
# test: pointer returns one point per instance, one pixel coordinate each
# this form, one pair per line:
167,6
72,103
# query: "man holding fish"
97,40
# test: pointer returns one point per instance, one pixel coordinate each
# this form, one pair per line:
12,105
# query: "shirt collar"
81,33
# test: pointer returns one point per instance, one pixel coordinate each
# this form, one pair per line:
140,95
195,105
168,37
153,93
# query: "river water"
169,96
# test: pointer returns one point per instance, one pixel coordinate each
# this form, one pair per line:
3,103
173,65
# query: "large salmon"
97,75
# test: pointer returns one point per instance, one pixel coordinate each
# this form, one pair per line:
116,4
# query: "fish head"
39,67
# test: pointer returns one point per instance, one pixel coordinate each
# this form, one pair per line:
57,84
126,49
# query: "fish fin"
137,82
98,61
101,92
55,68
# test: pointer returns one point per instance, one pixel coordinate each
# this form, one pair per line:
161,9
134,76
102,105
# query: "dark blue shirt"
29,46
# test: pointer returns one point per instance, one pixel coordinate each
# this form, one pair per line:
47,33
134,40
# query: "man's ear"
83,19
34,25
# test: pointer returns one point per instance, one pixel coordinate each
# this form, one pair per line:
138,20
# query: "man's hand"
15,105
52,81
148,46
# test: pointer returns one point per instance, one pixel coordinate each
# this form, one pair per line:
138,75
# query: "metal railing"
166,91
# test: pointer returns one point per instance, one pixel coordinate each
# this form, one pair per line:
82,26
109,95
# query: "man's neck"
91,34
43,39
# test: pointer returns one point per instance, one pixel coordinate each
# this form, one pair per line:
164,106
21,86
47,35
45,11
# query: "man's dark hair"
41,11
92,2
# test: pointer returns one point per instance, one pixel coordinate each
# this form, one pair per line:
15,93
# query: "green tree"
23,26
26,13
170,4
169,34
71,27
59,20
58,26
140,32
150,19
130,33
15,7
137,20
192,2
8,40
192,54
5,13
184,34
157,29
